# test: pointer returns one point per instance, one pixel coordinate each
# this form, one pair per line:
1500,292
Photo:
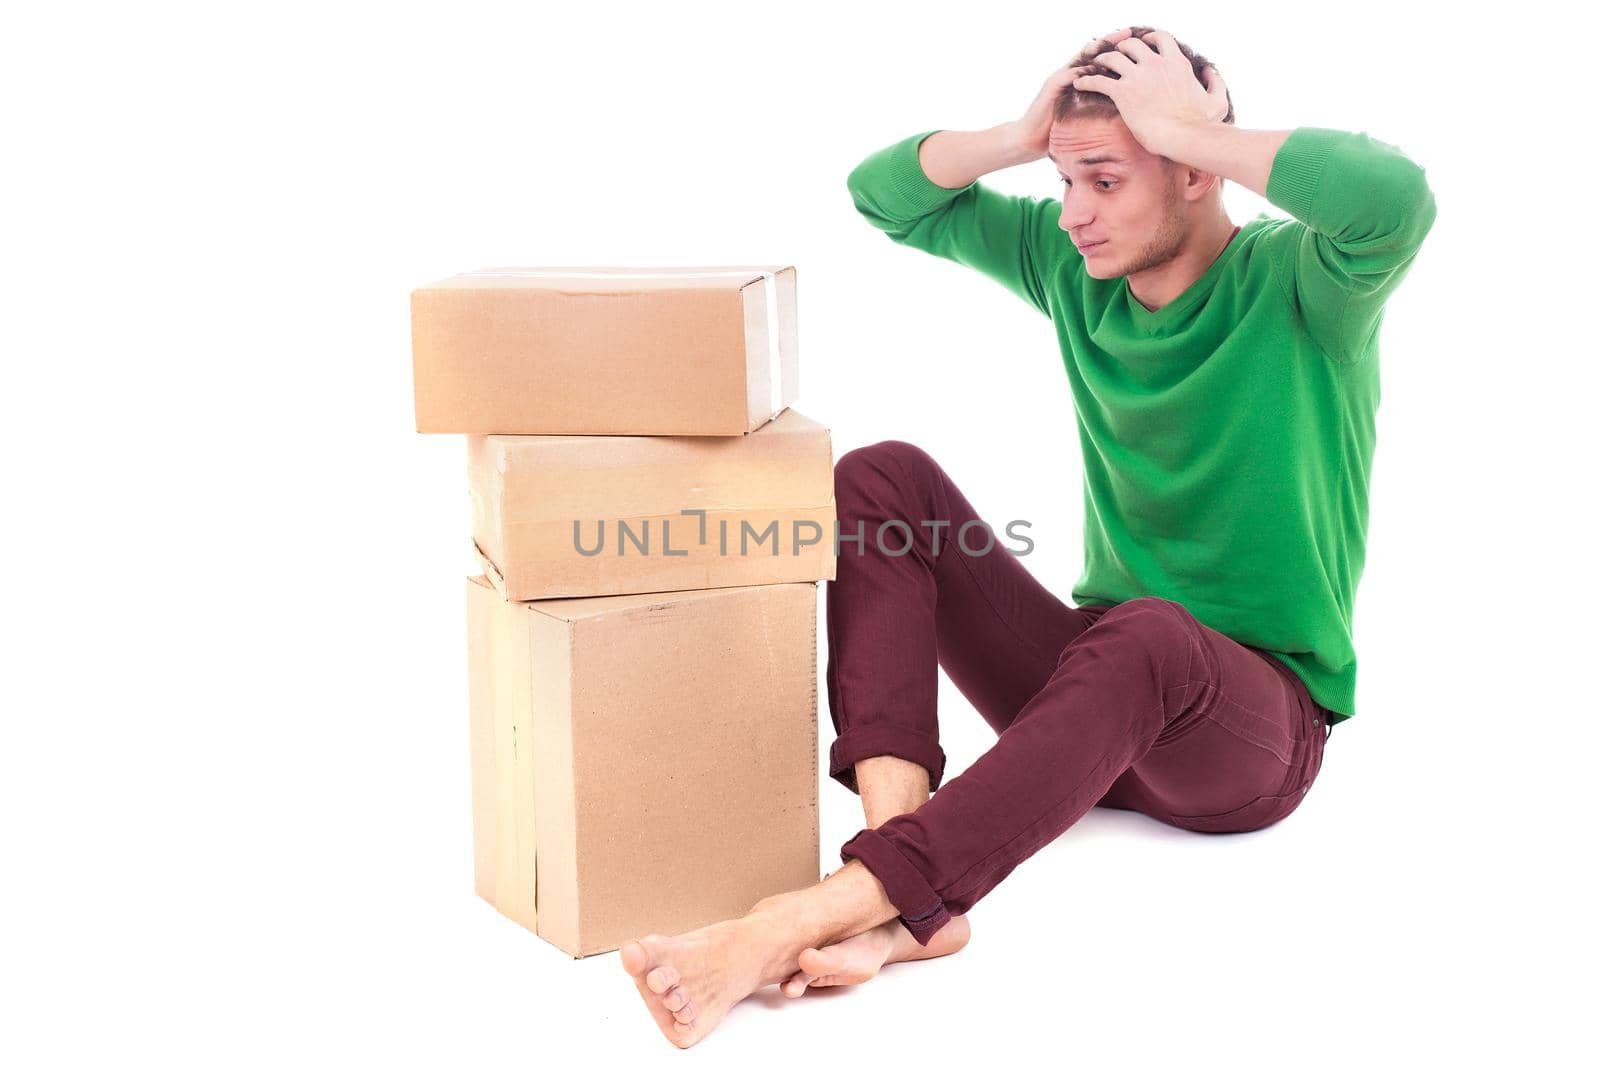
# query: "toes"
675,998
635,958
662,978
663,1018
685,1014
817,962
796,983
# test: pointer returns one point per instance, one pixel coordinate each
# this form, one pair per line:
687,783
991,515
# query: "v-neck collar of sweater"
1154,320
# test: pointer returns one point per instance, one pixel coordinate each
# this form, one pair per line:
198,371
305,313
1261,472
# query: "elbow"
859,179
865,202
856,187
1400,184
1410,213
1422,209
852,180
1427,211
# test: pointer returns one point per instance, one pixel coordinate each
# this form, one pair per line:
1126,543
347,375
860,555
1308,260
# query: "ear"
1195,184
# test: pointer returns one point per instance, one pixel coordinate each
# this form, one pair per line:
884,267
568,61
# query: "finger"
1136,49
1168,45
1115,61
1096,83
1064,76
1217,102
1110,38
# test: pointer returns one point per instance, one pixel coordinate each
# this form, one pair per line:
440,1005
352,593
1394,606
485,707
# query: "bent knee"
1145,609
885,463
1150,624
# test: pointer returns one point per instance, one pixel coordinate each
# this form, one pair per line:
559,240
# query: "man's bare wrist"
1015,155
954,159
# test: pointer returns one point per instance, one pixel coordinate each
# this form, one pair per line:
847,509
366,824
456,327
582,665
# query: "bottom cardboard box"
642,763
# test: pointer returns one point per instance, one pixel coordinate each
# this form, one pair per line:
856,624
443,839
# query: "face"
1116,193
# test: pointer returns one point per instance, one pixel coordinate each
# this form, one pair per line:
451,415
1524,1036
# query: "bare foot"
856,959
688,982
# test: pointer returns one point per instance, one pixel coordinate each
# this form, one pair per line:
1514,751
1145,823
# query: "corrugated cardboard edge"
814,590
490,571
813,704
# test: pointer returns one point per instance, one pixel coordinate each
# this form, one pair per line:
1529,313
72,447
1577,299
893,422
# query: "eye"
1102,181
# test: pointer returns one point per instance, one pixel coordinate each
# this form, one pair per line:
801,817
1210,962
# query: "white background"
234,765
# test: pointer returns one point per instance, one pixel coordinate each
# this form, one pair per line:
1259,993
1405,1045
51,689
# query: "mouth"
1088,249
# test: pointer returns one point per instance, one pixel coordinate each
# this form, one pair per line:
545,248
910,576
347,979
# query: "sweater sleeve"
1361,209
1004,237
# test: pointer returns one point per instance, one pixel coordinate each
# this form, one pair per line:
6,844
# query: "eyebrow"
1089,161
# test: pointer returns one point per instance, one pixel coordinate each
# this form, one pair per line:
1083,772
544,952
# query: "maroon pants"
1135,706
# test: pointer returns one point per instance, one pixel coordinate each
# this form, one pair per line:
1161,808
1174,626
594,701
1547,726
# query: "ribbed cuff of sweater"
915,192
1298,166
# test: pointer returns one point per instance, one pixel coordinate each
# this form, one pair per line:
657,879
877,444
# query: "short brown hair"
1073,103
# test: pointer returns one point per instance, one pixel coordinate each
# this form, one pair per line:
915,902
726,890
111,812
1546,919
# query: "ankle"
771,915
880,809
776,939
950,938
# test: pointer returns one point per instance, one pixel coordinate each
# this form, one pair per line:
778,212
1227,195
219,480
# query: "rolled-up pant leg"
1138,704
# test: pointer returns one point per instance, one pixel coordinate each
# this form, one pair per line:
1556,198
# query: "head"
1143,207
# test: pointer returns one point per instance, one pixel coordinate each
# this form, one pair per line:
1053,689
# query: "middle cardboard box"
563,516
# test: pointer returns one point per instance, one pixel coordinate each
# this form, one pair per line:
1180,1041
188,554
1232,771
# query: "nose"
1075,212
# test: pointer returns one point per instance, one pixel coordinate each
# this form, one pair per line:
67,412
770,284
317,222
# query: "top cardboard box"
605,350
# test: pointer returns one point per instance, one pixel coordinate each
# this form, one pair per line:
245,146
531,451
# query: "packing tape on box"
769,281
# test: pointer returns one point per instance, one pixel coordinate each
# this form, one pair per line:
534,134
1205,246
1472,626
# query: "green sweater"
1227,437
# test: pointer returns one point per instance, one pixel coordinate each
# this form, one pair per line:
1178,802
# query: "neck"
1159,286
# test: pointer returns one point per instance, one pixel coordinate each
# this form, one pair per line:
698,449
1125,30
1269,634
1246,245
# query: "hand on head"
1154,87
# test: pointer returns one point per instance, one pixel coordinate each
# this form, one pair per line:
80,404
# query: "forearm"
954,159
1242,156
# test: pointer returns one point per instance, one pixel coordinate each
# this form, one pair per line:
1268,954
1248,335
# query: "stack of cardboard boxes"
651,518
